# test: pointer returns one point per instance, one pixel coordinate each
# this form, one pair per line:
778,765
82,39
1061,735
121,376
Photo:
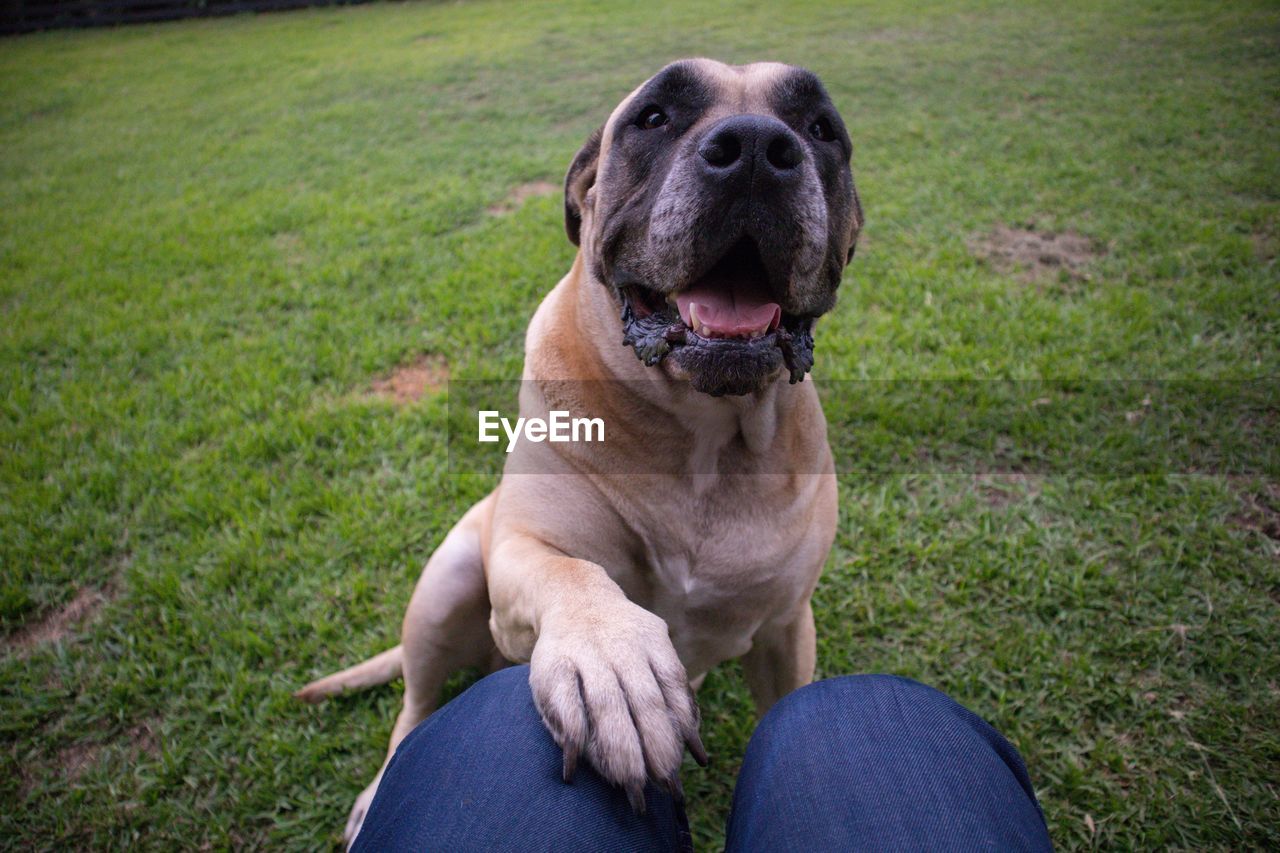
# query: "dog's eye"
651,118
821,130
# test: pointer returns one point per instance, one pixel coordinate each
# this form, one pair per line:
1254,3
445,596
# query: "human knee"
853,696
509,684
498,702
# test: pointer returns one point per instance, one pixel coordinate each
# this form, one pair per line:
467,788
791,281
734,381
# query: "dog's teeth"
693,317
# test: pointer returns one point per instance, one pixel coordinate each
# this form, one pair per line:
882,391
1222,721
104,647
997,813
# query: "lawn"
219,239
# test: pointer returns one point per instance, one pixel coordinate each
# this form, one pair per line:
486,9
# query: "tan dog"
715,212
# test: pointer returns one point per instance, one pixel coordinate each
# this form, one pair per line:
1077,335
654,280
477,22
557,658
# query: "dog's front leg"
604,674
781,659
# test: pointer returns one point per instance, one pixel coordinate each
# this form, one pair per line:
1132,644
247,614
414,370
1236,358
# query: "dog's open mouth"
727,315
732,300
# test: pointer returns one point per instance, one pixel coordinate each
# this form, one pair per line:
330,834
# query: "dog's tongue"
725,309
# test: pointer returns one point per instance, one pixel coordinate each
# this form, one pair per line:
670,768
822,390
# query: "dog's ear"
581,177
855,227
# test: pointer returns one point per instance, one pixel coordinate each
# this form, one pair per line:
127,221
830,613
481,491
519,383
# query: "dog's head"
718,205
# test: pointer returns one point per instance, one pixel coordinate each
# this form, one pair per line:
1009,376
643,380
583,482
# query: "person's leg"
876,762
482,773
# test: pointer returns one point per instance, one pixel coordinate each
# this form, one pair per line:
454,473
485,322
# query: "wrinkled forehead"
715,89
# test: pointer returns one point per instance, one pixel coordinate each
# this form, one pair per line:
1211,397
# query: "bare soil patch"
75,759
519,195
1000,489
1264,246
428,374
1035,255
72,761
1261,512
55,626
142,738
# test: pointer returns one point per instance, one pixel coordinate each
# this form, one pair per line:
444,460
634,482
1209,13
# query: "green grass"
215,234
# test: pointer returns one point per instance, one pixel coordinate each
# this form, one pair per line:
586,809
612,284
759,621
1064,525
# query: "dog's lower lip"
661,332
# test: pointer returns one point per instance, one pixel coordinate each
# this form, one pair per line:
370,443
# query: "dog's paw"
610,687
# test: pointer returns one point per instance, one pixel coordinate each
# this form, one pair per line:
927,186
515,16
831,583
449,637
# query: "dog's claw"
674,788
635,796
570,762
696,749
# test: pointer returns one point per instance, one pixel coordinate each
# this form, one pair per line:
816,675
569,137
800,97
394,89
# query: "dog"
714,213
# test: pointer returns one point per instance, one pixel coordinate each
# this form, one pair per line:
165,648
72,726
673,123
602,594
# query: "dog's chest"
724,566
724,561
714,593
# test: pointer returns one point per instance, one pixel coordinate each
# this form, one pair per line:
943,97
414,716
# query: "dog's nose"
751,143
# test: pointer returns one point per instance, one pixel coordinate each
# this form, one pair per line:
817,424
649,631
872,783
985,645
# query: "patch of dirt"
72,761
1261,512
521,194
1264,246
75,759
55,626
1005,488
428,374
142,738
1035,255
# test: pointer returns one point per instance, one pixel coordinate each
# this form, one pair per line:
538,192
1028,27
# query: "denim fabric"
877,762
482,773
855,763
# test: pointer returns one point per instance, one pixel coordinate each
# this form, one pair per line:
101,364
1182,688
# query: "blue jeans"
868,762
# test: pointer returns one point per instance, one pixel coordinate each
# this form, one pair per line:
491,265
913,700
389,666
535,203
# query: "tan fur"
622,589
378,669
